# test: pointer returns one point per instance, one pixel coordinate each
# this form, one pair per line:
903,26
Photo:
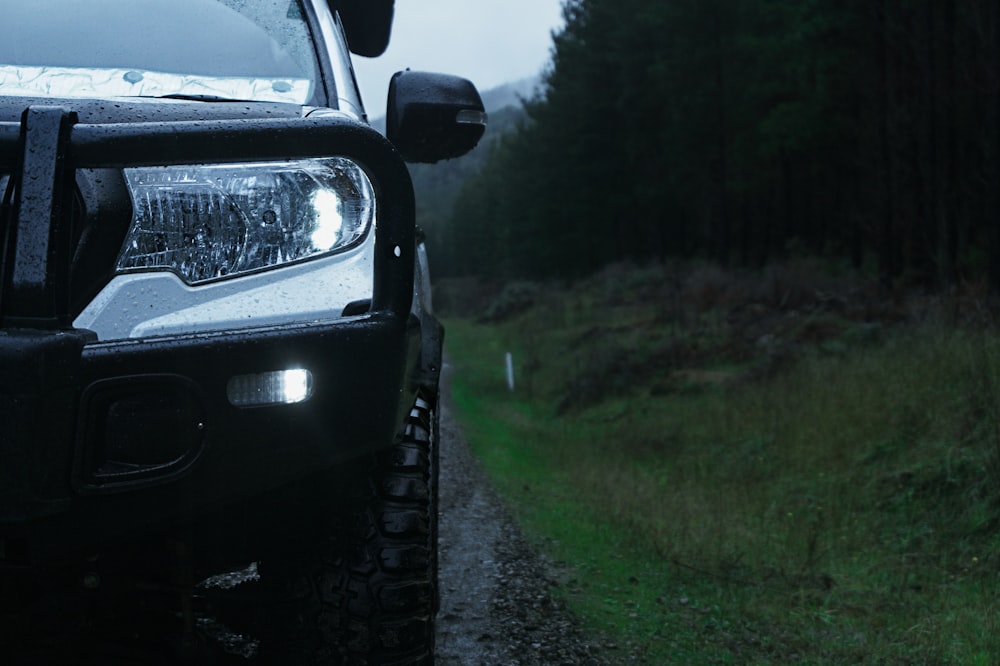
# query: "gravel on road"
497,605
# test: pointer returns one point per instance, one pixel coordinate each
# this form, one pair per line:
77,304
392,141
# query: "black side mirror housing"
433,117
367,24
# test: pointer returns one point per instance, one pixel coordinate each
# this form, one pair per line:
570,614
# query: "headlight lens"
206,222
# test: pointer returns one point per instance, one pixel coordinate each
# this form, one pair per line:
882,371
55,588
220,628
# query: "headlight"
213,221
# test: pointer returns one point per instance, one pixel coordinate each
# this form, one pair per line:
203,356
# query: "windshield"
204,49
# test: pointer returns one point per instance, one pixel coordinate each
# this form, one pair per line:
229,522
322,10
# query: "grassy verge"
839,506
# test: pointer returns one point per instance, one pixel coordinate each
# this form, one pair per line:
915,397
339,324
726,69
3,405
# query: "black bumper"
61,485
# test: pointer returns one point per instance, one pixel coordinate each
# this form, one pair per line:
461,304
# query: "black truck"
217,345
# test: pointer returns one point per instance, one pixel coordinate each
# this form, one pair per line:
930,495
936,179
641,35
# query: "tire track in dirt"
496,601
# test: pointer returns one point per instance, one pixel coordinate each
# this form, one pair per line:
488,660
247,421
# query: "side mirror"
433,117
367,24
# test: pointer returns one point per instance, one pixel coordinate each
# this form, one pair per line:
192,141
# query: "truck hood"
138,110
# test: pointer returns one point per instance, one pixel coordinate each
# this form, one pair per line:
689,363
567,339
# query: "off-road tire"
365,591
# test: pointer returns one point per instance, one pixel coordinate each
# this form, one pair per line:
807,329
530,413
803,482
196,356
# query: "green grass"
840,509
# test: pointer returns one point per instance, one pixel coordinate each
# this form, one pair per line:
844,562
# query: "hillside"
778,466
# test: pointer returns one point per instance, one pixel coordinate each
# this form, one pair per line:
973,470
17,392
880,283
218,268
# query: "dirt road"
496,601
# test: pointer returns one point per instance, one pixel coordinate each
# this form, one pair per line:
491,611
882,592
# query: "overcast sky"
490,42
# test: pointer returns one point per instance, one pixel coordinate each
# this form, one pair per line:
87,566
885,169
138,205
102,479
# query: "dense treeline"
742,130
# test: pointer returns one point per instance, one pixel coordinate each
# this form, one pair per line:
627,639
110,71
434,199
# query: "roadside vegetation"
790,460
756,467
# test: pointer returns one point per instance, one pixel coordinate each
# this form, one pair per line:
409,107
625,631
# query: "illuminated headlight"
206,222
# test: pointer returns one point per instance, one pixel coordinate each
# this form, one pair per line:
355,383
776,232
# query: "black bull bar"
40,352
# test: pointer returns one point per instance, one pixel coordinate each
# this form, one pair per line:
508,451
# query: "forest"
740,254
743,131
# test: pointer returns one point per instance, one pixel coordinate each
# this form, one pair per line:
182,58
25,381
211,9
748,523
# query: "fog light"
283,387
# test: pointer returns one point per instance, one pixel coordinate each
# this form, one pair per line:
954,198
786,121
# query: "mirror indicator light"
471,117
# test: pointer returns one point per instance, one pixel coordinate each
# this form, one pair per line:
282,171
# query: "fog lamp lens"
283,387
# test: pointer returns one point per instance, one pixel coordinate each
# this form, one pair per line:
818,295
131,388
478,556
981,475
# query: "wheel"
365,591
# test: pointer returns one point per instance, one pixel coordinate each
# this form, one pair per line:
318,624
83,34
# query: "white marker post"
510,372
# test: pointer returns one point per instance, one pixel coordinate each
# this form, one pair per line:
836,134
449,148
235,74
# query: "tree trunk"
947,211
886,237
993,154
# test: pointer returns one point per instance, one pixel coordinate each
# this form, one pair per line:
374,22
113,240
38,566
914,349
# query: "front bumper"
61,486
75,412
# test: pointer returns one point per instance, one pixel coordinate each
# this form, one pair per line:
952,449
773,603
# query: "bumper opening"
138,429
